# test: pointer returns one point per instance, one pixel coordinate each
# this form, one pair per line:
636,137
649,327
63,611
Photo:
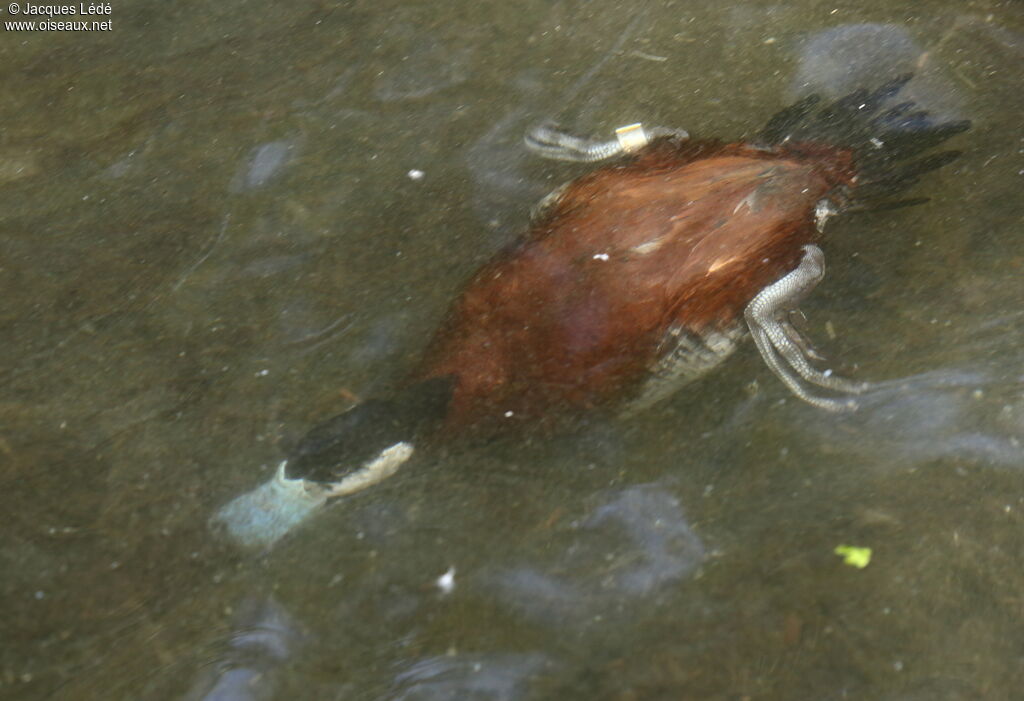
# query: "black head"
347,442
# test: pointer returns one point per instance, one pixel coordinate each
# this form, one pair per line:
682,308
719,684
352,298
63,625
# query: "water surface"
224,221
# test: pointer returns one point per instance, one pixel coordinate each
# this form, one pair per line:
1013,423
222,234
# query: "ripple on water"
836,61
468,676
263,164
623,552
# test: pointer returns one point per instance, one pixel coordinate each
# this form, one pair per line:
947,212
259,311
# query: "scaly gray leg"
774,335
796,337
547,141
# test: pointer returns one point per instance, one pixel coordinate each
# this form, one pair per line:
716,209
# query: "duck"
632,281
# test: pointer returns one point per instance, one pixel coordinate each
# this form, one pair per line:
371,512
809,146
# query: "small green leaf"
854,556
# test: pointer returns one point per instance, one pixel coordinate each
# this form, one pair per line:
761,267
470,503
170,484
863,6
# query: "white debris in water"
601,256
416,174
263,164
446,582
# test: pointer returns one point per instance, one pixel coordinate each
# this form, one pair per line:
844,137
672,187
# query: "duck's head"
343,455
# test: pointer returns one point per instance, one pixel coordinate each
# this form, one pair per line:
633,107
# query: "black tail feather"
885,140
898,145
888,91
895,111
881,205
929,163
784,122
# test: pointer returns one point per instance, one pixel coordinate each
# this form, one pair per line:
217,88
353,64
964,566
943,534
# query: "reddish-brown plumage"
642,276
573,315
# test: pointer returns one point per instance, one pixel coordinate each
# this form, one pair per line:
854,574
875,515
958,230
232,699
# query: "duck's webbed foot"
781,345
549,142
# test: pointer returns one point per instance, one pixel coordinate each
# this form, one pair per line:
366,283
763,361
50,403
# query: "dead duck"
632,280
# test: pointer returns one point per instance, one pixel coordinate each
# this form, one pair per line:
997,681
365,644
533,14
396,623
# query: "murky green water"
210,239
